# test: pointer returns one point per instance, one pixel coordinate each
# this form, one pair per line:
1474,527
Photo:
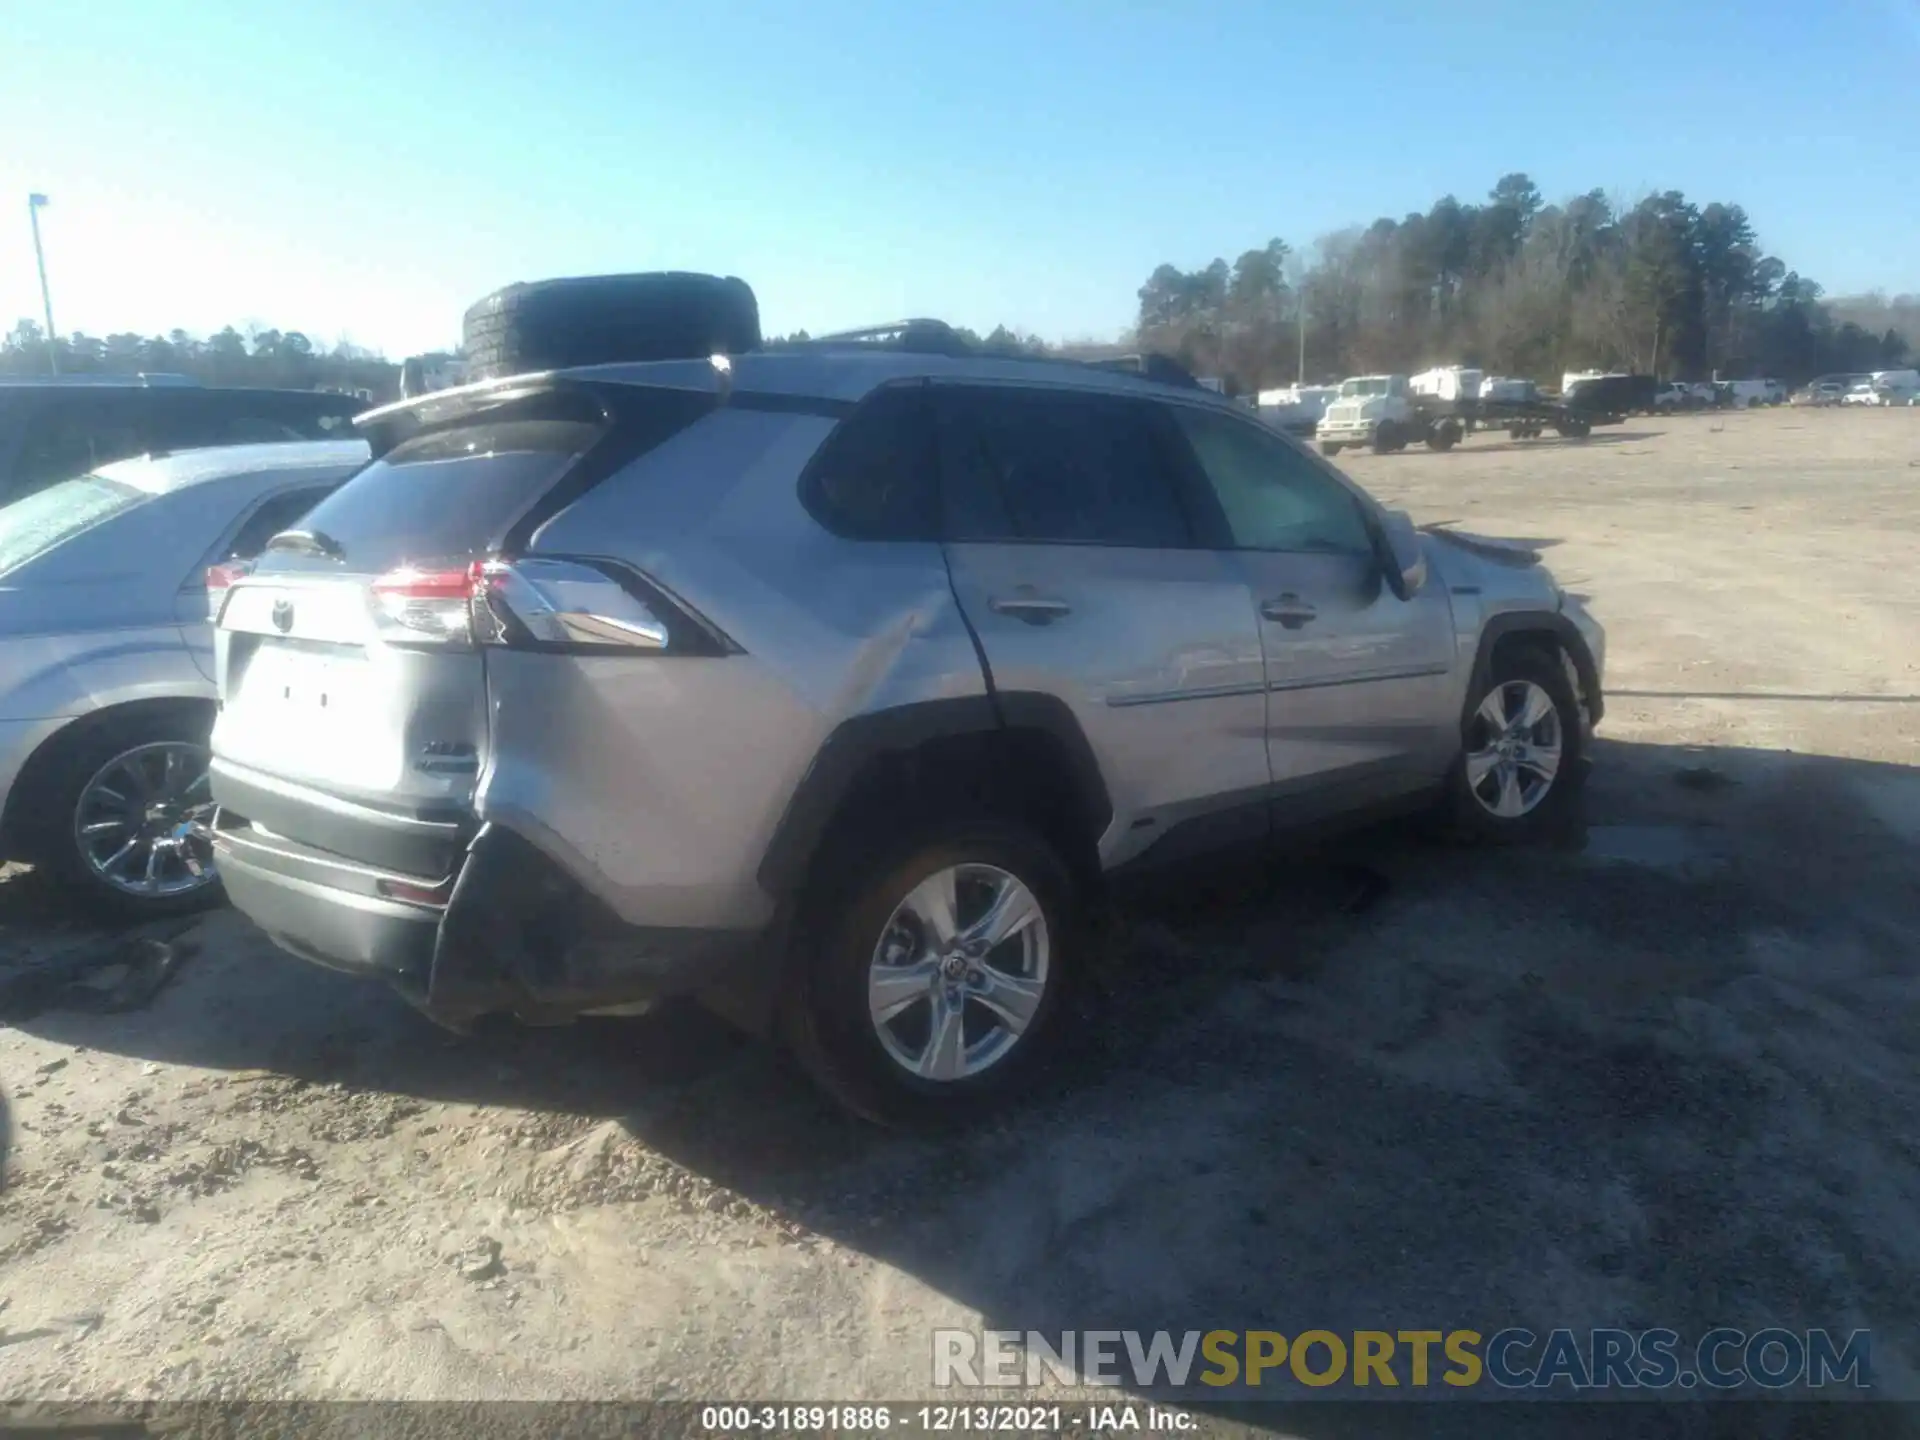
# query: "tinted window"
277,513
1050,465
71,434
874,477
190,418
1273,497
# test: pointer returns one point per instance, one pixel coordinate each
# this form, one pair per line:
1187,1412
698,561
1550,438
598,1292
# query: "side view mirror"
1405,561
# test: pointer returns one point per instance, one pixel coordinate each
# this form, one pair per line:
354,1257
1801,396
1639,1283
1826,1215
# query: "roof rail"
936,337
917,336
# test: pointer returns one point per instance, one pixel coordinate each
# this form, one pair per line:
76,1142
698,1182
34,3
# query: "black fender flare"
858,742
1537,622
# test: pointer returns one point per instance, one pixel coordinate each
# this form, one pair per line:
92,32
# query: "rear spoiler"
572,391
546,395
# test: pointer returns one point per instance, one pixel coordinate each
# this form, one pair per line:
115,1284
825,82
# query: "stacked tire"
609,319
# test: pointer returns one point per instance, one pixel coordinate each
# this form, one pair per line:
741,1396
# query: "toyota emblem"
283,615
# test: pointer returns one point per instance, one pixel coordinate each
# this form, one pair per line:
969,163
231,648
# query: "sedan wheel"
141,822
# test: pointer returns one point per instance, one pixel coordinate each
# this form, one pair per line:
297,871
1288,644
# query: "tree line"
1518,287
1513,285
271,358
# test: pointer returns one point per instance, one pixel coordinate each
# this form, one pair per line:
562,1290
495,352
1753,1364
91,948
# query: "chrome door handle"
1034,609
1290,610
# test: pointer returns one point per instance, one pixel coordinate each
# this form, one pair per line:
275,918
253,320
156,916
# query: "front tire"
1523,751
937,983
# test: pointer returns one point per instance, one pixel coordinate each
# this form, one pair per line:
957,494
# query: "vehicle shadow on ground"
1660,1073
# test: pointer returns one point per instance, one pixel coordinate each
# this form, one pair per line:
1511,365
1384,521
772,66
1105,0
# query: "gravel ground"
1665,1076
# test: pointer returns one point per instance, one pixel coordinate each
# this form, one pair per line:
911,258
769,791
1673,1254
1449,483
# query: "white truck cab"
1374,410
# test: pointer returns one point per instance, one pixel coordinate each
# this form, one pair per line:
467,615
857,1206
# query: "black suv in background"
1614,395
55,428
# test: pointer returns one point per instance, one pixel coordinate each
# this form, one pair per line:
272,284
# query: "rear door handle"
1289,609
1034,609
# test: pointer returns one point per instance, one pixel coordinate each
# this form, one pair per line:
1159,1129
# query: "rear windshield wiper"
308,542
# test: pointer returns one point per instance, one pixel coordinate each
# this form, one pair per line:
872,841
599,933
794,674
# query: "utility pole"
1300,375
35,204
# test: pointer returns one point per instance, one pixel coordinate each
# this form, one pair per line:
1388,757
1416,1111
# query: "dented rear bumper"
508,932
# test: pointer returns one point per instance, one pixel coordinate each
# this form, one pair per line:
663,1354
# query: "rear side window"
445,496
874,477
1056,466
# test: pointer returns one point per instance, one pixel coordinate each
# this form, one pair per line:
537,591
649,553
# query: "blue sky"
366,169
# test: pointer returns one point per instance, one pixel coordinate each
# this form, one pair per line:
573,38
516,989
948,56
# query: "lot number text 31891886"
939,1419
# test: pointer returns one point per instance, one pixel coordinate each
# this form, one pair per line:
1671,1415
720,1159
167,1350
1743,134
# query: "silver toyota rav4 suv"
833,686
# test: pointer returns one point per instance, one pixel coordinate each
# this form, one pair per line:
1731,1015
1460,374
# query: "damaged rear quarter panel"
659,780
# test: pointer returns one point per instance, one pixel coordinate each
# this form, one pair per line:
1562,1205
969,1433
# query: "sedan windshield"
34,524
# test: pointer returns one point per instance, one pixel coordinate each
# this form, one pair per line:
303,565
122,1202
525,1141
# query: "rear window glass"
34,524
447,496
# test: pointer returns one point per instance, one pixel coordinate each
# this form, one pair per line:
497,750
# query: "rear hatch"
353,693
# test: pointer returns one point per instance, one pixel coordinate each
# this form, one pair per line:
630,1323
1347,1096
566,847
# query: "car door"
1357,677
1073,554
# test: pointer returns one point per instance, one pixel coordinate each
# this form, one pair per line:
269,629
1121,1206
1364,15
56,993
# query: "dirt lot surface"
1668,1075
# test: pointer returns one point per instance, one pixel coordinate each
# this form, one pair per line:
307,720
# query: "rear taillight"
537,604
220,579
426,606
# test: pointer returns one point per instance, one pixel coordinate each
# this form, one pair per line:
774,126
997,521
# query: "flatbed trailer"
1527,419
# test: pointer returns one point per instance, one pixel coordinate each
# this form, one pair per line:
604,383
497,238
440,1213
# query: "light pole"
35,203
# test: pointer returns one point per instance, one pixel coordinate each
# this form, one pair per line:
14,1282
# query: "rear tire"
90,780
1497,792
605,319
876,942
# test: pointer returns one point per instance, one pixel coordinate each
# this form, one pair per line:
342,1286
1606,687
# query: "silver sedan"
106,659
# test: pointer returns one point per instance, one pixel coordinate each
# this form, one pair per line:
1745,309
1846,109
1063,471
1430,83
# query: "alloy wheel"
1514,748
142,821
959,973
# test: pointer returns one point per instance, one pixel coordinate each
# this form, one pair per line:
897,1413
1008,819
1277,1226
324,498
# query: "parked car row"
833,687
